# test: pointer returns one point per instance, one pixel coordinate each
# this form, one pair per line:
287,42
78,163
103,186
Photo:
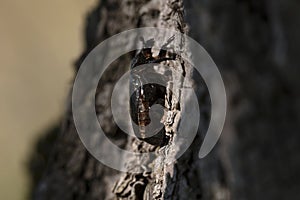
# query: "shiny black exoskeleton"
146,95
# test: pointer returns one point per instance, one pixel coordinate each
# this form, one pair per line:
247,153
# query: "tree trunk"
255,48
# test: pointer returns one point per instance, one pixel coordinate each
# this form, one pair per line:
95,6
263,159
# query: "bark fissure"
254,45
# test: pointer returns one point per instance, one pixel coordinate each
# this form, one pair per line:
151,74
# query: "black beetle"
146,95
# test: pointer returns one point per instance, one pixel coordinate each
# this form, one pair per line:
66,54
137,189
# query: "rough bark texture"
254,43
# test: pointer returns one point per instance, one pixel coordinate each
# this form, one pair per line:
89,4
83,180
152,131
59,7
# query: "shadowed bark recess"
255,45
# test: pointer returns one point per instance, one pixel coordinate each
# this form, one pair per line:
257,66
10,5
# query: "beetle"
146,95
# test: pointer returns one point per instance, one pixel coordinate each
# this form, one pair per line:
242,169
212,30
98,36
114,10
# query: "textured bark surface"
255,45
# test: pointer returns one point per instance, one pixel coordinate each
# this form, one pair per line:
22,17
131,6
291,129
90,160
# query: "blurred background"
40,41
255,44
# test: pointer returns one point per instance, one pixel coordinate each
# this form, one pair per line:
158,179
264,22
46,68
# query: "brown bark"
255,46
